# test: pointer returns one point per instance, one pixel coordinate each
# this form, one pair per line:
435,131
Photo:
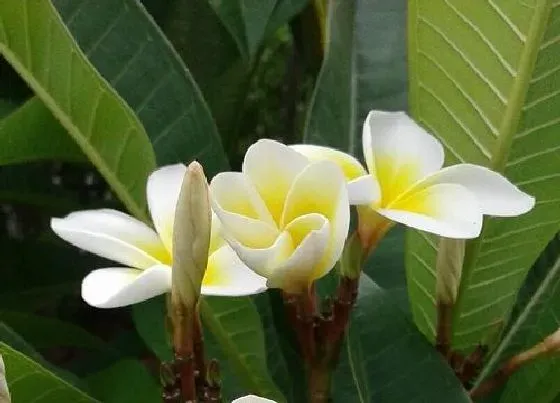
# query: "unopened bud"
449,265
191,236
4,393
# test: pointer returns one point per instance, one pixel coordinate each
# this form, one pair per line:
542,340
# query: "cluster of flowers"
283,220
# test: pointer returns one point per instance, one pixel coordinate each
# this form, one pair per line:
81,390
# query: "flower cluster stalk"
320,334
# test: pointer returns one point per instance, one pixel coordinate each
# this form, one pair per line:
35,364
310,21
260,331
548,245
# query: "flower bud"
449,265
191,236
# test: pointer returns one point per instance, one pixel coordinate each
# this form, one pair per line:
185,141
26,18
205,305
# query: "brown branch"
547,346
183,326
199,359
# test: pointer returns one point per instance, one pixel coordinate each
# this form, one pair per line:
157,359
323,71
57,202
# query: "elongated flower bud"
449,265
191,236
4,393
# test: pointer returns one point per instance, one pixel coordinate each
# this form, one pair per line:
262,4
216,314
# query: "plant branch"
549,345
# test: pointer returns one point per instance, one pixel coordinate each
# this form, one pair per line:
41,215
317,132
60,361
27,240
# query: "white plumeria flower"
252,399
145,252
407,184
286,218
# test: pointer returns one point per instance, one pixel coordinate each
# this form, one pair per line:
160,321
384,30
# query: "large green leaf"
212,56
250,21
132,54
537,319
386,359
277,362
35,41
28,381
237,327
45,332
150,321
38,273
484,80
126,381
246,20
236,330
31,133
363,69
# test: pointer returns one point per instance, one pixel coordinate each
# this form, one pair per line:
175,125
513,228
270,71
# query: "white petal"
350,166
362,187
112,235
496,195
252,399
398,152
364,190
263,261
321,189
216,238
116,287
446,209
241,211
162,191
226,275
272,167
311,258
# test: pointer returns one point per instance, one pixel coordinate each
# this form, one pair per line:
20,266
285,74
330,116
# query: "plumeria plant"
279,201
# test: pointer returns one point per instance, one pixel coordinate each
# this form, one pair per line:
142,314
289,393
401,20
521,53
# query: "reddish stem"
183,324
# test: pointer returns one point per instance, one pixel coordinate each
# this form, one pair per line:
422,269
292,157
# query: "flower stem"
182,320
444,328
319,383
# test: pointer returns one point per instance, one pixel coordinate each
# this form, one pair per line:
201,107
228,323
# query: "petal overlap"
408,184
147,253
308,203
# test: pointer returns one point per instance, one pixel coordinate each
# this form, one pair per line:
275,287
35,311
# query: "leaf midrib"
117,186
508,130
535,299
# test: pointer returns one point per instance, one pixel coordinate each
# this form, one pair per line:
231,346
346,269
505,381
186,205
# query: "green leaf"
246,21
386,264
483,80
284,11
104,127
45,332
212,56
535,382
363,69
277,362
126,381
32,185
236,333
28,381
11,338
237,327
31,133
386,359
132,54
29,281
149,319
